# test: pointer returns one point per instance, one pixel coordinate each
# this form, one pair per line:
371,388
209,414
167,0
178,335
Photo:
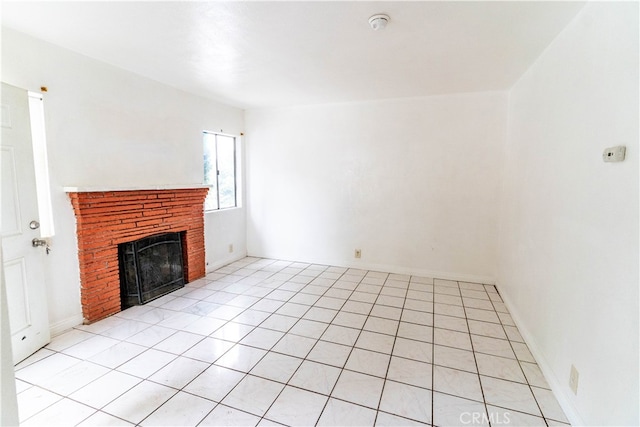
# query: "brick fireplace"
104,219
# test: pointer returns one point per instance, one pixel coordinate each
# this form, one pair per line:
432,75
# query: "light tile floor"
267,342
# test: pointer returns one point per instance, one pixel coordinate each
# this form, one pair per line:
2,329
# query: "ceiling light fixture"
379,21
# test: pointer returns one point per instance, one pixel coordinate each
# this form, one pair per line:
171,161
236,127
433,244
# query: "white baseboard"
212,266
462,277
558,390
64,325
447,275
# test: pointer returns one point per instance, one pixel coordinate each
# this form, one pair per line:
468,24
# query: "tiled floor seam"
303,359
341,369
244,286
395,337
484,398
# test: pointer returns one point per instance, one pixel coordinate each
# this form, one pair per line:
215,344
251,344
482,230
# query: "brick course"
106,219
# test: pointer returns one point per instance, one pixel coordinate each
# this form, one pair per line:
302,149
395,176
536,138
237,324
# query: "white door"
23,263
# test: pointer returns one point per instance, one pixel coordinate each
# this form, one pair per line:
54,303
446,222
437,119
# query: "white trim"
41,164
222,210
65,324
72,189
559,391
447,275
226,261
237,164
232,135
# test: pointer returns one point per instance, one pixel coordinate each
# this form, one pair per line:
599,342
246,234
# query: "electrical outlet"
358,253
230,248
614,154
573,379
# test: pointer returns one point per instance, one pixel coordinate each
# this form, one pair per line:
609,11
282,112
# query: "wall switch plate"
573,379
614,154
358,253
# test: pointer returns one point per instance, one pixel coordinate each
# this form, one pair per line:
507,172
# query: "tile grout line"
329,396
475,359
395,337
520,364
241,290
245,374
353,346
304,358
433,351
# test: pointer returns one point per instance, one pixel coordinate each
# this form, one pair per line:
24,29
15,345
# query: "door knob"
41,242
34,225
38,242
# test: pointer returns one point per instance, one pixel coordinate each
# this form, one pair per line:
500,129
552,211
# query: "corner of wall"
219,263
554,382
64,325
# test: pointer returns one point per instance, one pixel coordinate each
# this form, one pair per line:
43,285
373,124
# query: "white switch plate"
614,154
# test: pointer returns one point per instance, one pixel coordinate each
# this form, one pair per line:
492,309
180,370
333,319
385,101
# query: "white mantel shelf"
136,188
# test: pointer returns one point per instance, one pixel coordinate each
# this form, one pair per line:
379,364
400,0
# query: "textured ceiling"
261,54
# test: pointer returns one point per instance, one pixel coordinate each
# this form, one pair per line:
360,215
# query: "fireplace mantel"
107,217
100,189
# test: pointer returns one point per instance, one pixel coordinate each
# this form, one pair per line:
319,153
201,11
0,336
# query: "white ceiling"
259,54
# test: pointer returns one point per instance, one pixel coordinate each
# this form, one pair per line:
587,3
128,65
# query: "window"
40,162
220,171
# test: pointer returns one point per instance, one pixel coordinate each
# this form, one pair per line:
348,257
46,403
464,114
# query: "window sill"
222,210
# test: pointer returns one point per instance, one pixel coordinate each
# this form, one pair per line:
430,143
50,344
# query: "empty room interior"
320,213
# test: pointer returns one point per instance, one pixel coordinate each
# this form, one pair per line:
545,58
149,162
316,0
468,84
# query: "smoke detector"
378,22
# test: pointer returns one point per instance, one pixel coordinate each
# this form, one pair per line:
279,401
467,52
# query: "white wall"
413,183
221,229
109,127
569,222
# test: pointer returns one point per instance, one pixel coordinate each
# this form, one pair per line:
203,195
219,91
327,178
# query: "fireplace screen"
150,268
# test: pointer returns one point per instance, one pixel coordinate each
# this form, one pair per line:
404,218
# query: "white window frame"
41,164
237,174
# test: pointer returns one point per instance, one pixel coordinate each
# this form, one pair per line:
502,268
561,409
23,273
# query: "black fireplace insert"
150,268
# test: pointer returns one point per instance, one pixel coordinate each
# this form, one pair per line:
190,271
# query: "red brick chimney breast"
104,219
